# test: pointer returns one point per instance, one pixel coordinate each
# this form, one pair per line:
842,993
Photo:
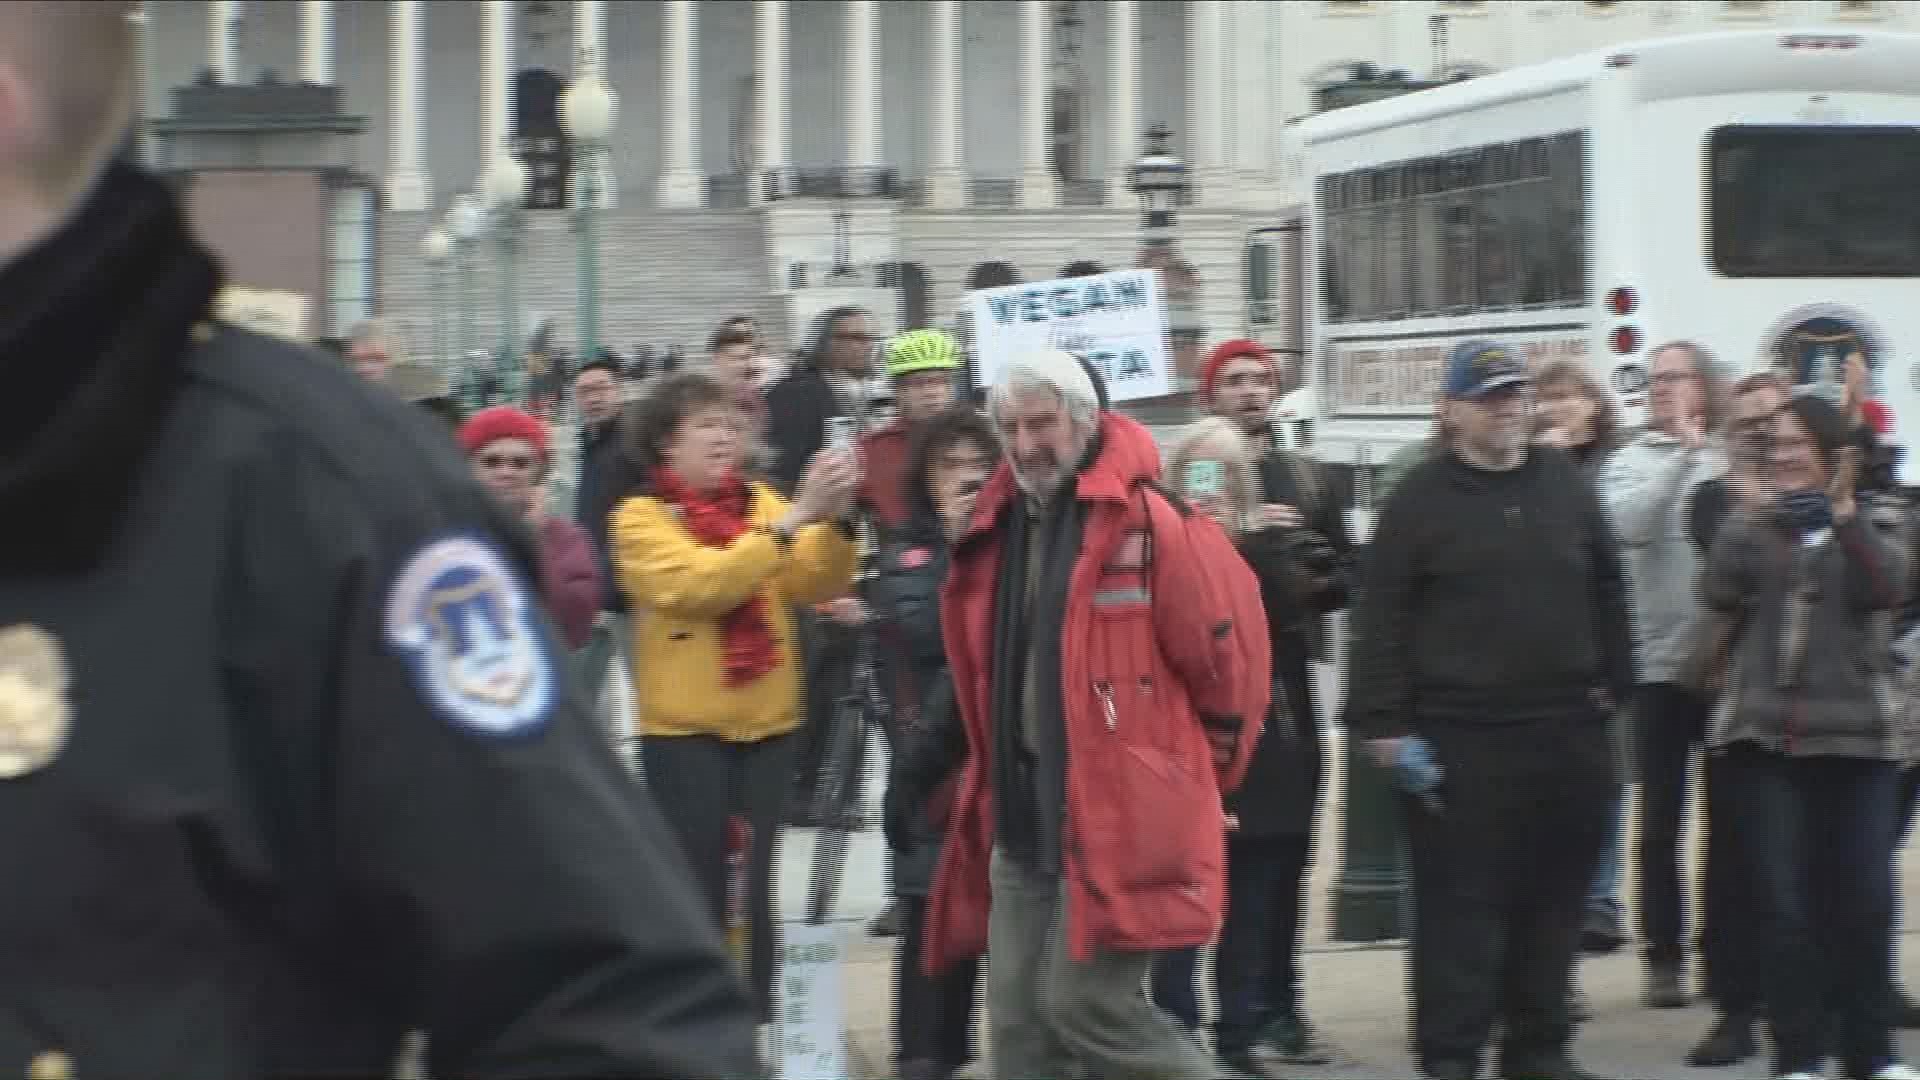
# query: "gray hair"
1708,369
1055,372
1218,433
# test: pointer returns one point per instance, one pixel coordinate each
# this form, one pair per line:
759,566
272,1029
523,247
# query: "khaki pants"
1047,1012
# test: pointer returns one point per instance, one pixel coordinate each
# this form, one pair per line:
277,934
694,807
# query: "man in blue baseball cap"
1491,642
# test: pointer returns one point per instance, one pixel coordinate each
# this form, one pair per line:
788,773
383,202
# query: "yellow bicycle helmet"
922,350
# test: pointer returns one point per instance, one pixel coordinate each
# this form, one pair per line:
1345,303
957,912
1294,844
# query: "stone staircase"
667,278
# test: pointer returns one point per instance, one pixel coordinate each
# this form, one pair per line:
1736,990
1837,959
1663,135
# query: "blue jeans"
1813,834
1604,897
1257,968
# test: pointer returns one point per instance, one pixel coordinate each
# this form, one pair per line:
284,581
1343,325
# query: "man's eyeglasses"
507,461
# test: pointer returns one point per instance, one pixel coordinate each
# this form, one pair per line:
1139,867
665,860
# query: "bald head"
67,74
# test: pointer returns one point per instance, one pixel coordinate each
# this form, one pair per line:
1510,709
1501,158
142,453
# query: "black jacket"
285,825
798,407
603,481
904,593
1489,597
1281,791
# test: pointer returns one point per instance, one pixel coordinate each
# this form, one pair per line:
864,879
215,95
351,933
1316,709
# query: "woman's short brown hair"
1606,418
651,425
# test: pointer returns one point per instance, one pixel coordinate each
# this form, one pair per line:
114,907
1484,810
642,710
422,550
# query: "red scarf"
747,647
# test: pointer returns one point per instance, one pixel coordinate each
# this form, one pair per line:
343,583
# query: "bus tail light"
1623,301
1625,340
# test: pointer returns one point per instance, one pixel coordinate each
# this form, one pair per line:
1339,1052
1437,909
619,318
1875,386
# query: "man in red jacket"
1111,672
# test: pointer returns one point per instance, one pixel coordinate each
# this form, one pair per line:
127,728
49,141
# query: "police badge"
472,634
35,711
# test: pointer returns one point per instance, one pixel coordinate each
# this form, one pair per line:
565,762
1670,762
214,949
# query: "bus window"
1814,201
1567,186
1259,272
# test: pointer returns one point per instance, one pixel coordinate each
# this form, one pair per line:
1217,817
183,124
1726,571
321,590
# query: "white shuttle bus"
1757,192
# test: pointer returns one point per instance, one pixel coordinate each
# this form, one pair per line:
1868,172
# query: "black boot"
890,921
1902,1012
1601,933
1663,989
1729,1041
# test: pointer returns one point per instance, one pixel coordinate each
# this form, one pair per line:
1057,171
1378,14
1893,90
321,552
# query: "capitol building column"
590,60
1038,191
409,187
771,163
316,42
496,82
865,158
1209,65
682,186
223,54
1123,120
947,178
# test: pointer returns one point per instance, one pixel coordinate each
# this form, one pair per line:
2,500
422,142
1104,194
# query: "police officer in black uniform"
288,760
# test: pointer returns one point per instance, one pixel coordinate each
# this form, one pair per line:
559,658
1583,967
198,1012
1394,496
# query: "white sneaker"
1803,1076
1897,1071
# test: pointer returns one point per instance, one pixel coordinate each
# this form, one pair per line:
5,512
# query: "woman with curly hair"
715,562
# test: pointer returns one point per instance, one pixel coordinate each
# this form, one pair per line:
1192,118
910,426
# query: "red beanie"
502,422
1225,353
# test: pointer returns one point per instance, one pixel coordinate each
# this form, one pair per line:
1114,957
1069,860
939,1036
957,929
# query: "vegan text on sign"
1115,321
1069,299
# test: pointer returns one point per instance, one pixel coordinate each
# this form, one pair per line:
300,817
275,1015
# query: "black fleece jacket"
1489,597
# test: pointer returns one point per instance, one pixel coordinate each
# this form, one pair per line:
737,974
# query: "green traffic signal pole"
508,365
440,320
589,250
1371,896
464,250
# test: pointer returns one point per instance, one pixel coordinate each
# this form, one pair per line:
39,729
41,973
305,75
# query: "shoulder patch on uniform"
915,557
470,631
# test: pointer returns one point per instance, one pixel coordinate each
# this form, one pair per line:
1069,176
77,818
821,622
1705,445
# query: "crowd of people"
1644,579
297,683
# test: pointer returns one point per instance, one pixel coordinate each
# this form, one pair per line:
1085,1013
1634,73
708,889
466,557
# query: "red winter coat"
1165,643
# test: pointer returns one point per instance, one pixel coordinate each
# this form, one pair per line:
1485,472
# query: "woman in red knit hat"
509,453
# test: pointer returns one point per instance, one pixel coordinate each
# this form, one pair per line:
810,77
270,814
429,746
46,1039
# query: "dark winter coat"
603,481
904,594
1282,790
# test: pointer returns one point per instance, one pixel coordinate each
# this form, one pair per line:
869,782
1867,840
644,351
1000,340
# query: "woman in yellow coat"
716,563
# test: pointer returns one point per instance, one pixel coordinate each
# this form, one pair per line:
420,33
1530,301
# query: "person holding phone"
1291,531
951,457
719,561
1809,746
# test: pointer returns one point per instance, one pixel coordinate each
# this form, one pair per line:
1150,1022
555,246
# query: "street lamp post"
506,188
1159,179
465,221
437,247
587,112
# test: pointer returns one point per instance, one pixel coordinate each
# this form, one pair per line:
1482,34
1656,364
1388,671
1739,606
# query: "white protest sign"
812,1030
276,312
1118,321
